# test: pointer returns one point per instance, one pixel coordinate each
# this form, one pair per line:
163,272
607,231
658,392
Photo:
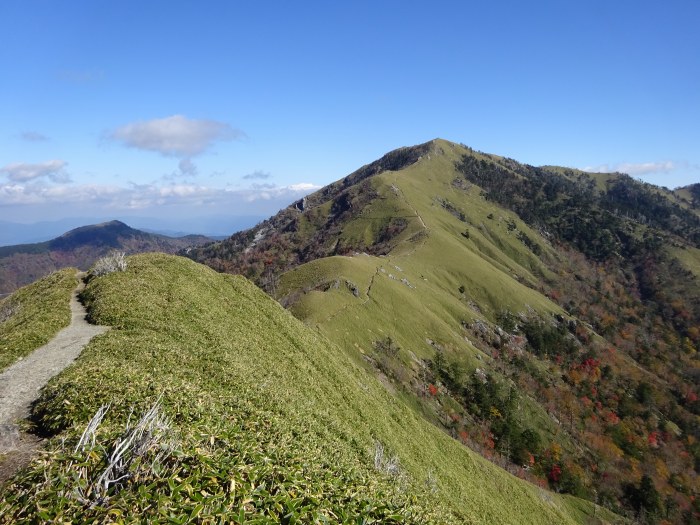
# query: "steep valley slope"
249,416
545,317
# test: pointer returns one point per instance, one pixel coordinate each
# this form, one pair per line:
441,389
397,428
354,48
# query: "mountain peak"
81,247
447,269
112,224
105,233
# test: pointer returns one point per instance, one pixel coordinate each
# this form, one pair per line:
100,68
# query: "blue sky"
187,109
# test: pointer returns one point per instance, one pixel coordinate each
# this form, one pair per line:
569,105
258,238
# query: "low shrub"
114,262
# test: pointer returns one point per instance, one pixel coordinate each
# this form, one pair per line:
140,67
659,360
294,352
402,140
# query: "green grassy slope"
463,260
689,196
415,289
690,258
493,264
563,294
273,423
432,284
30,317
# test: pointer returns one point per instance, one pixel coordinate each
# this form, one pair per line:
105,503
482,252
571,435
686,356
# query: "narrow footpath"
21,383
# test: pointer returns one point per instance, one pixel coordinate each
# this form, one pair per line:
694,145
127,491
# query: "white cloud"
600,168
175,136
631,168
23,172
303,186
646,167
182,191
192,197
270,191
36,193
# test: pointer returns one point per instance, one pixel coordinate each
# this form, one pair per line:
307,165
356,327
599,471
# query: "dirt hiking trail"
20,384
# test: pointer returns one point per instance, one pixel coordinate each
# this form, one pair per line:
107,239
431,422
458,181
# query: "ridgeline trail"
20,384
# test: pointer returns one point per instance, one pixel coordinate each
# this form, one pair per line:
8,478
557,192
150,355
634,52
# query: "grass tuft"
136,455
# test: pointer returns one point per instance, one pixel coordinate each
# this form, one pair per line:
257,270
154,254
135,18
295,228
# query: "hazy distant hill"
213,226
24,263
547,317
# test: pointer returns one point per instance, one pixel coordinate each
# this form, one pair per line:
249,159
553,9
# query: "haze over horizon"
176,110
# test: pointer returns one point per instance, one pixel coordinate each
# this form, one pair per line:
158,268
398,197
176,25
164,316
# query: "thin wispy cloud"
80,76
149,196
187,168
175,136
258,174
262,186
33,136
632,168
23,171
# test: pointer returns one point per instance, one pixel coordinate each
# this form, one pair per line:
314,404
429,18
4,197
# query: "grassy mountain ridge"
545,317
80,247
300,232
271,422
30,317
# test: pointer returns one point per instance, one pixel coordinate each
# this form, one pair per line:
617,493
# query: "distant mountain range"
214,226
24,263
